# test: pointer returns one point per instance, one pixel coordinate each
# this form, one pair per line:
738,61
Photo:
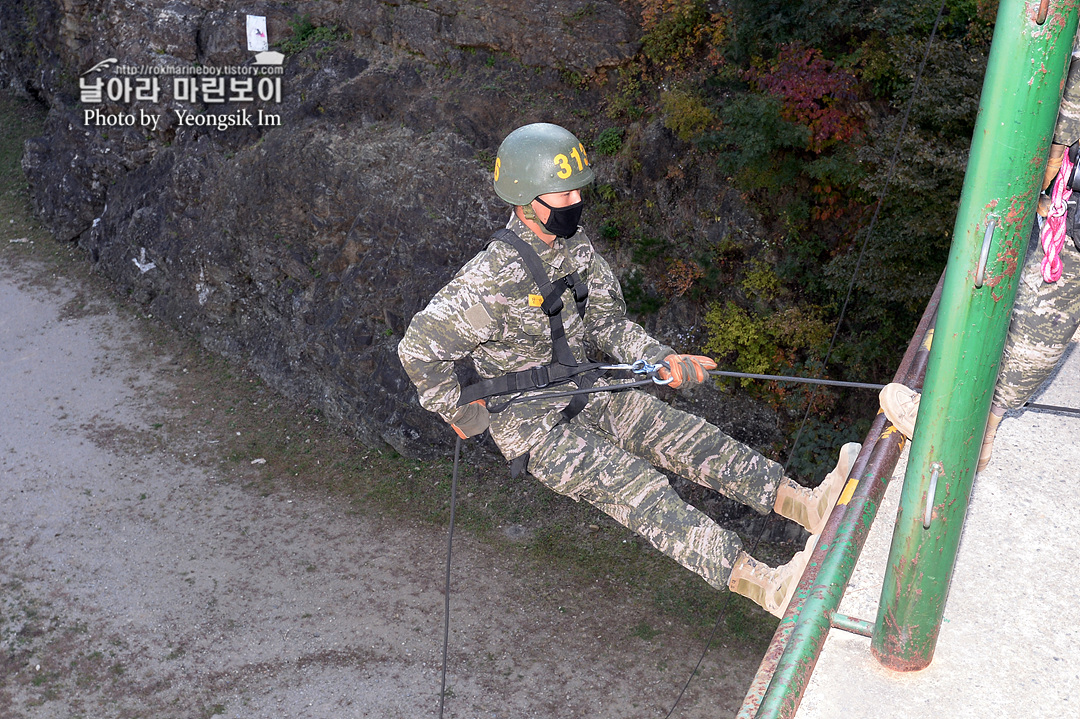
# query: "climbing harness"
1053,229
564,366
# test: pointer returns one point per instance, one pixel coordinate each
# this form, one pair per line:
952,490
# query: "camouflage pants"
1067,129
606,455
1046,314
1044,319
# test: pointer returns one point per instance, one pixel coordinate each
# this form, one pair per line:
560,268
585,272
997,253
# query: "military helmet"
537,159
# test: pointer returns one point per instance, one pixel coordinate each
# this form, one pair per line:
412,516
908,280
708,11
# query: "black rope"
1052,408
836,332
804,380
449,552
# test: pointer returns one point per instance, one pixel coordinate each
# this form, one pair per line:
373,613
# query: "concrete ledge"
1010,641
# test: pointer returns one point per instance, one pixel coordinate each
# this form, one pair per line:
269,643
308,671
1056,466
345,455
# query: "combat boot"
770,587
901,406
812,507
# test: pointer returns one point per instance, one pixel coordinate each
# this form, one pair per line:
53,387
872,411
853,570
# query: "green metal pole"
1017,112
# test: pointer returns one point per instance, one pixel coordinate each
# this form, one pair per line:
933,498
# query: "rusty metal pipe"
1021,90
853,625
845,532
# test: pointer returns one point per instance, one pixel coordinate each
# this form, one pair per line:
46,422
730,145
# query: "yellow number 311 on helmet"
538,159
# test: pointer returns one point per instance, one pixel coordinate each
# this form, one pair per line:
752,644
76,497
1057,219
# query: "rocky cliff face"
304,244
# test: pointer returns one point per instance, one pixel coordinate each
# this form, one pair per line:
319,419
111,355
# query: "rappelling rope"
500,406
1053,229
449,553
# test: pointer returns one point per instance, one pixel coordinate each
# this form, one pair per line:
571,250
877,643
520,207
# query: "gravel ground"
142,576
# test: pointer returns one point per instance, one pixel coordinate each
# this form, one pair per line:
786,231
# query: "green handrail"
1021,95
786,668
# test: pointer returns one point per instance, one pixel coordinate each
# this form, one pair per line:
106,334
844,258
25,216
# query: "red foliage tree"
814,92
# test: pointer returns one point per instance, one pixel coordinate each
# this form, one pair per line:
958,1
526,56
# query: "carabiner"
643,368
656,368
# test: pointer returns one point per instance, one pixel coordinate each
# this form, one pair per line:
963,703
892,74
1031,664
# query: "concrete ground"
1010,640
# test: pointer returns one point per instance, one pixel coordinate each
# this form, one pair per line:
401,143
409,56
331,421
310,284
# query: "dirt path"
139,576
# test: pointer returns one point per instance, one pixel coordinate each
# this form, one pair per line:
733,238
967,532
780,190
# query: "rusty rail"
781,679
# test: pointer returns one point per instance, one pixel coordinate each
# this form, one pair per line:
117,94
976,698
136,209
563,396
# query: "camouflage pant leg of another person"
584,462
1045,317
1046,314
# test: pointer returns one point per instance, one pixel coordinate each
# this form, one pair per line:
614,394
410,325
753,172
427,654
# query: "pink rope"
1053,230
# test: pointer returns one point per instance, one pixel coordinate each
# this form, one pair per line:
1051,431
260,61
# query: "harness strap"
564,367
578,402
552,304
524,380
552,294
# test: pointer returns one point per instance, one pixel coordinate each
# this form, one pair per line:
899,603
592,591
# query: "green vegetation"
686,114
609,141
798,106
760,341
306,34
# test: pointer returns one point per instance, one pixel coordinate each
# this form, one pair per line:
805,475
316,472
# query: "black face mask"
563,221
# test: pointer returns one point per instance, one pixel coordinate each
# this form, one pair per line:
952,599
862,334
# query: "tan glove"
688,369
471,420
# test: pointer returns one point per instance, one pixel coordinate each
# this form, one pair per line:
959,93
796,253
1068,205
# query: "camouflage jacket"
485,313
